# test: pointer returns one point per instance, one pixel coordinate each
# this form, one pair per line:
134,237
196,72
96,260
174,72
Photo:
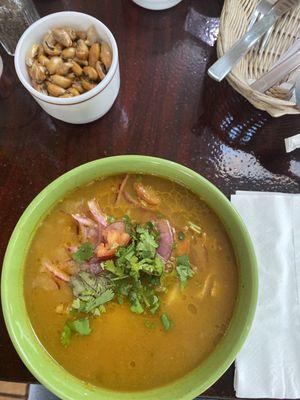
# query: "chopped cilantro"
110,219
181,236
166,322
85,285
65,336
154,280
183,269
120,299
98,301
91,292
124,288
139,256
136,305
76,304
80,326
84,253
147,243
119,278
135,275
128,224
154,303
109,265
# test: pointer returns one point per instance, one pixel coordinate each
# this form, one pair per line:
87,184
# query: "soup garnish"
122,260
130,282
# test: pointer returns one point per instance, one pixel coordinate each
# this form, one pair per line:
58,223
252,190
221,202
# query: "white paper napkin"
268,366
292,143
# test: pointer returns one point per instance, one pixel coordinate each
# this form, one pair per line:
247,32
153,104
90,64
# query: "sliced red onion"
116,226
93,266
99,217
88,228
121,189
58,273
97,213
85,221
135,202
130,199
166,238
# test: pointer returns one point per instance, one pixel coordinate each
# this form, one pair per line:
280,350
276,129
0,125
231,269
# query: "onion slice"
97,213
166,238
121,189
58,273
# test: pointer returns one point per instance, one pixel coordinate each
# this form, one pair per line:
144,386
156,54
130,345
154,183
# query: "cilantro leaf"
110,219
116,269
105,297
76,304
124,288
147,244
80,326
134,267
136,305
154,303
86,284
183,269
128,224
166,322
84,253
91,292
124,254
65,336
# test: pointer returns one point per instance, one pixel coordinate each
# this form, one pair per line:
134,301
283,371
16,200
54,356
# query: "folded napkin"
292,143
268,366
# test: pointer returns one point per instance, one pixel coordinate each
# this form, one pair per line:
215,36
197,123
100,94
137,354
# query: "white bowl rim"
71,100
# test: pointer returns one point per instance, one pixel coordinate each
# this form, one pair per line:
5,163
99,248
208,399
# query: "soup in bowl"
118,283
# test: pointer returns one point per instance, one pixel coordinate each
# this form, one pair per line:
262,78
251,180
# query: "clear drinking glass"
15,17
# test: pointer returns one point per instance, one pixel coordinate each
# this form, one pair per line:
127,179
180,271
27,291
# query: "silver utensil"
263,7
284,90
297,91
277,73
224,65
291,50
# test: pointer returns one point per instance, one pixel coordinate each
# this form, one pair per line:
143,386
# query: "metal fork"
297,91
262,8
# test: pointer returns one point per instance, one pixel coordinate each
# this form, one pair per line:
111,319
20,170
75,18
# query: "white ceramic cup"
157,4
88,106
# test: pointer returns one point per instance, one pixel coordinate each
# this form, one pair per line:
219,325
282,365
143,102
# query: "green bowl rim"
10,323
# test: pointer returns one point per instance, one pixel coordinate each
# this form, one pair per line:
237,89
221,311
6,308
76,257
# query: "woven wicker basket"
234,22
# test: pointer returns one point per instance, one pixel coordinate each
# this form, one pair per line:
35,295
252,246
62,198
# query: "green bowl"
36,358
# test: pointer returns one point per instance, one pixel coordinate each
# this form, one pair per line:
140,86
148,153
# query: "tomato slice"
114,236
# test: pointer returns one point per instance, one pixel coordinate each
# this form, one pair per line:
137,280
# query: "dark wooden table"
167,107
